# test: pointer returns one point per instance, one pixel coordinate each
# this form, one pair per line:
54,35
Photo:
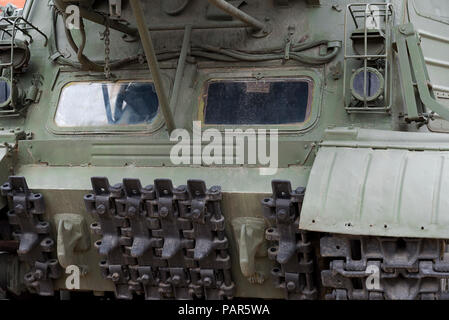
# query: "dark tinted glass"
5,91
372,84
257,102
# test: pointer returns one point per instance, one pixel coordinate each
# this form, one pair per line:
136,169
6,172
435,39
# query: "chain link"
107,50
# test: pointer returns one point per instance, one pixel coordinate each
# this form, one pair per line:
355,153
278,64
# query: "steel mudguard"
379,183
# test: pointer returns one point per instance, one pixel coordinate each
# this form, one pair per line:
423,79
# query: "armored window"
258,102
97,104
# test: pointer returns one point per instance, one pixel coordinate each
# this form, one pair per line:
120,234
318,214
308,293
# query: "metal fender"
379,183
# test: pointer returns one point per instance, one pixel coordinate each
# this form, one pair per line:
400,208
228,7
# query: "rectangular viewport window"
258,102
97,104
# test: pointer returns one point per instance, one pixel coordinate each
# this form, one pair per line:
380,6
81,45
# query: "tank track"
291,250
406,269
165,242
26,211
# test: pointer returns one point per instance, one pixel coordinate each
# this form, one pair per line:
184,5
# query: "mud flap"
378,192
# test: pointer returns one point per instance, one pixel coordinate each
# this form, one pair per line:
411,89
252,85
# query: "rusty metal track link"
161,241
291,250
26,211
378,268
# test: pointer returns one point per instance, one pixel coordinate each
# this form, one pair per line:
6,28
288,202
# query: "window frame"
71,78
279,74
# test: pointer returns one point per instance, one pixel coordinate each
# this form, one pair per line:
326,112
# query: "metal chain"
107,50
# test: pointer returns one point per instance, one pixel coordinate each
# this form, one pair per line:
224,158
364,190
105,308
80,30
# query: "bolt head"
196,213
207,281
101,209
282,214
163,212
291,286
115,277
38,274
19,208
132,210
145,278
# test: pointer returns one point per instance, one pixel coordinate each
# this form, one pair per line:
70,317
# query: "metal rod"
388,65
353,17
197,26
365,61
181,66
32,28
152,63
238,14
113,24
28,7
14,26
361,56
372,4
345,61
364,109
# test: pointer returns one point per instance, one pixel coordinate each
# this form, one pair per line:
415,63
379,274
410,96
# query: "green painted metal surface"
363,187
366,173
64,188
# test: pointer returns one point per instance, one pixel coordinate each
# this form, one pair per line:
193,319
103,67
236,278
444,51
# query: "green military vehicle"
212,149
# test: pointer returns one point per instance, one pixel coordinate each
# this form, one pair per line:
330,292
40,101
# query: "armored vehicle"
212,149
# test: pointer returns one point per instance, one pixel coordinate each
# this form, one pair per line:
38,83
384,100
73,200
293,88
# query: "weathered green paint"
385,191
408,44
240,198
73,238
59,162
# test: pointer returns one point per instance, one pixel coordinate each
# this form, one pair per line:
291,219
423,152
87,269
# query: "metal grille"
362,15
10,26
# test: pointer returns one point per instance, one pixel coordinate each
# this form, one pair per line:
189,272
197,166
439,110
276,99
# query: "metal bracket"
102,205
115,8
72,238
26,210
291,250
288,42
173,244
250,235
413,69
